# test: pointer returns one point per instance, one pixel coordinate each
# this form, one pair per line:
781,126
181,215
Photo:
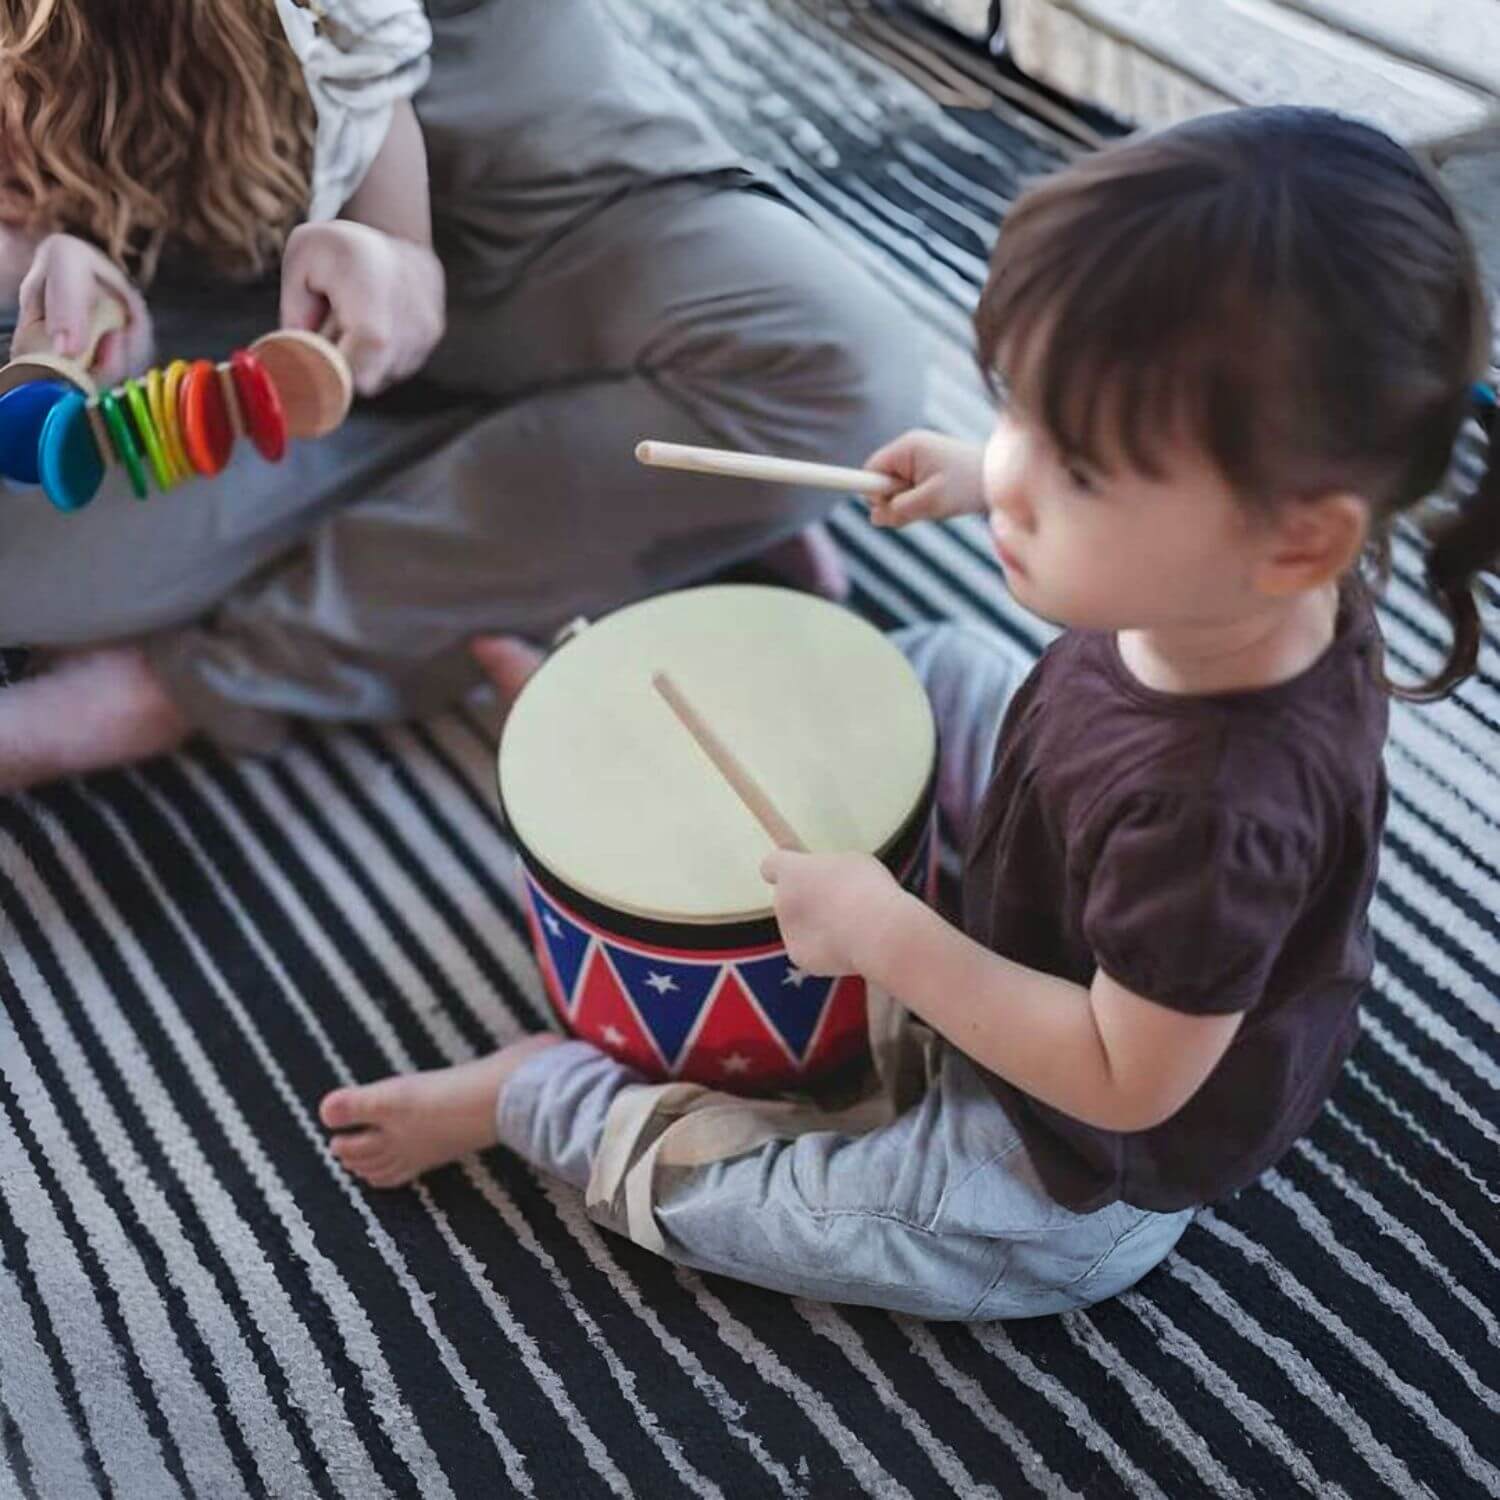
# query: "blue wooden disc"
71,467
23,411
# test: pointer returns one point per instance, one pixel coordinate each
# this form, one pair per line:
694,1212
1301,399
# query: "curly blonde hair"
134,123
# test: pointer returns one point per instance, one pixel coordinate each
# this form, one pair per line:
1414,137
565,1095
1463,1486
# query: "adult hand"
67,279
381,299
940,477
826,904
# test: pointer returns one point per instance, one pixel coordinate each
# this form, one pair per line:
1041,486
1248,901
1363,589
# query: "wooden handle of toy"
340,340
31,341
108,317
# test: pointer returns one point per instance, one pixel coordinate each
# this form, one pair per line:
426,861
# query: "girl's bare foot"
86,711
403,1126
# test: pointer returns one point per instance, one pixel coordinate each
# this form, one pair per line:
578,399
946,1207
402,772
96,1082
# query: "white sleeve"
360,59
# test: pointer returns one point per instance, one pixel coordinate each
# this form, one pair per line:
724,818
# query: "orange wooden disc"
310,376
207,432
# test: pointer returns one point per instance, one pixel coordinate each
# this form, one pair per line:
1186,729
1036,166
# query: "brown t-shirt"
1212,854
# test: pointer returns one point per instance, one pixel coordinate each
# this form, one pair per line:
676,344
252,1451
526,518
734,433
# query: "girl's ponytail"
1464,545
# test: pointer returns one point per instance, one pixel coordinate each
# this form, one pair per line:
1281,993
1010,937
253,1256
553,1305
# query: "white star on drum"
663,984
734,1063
614,1037
794,977
552,924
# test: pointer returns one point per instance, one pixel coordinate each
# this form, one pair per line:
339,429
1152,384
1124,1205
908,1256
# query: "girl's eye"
1081,477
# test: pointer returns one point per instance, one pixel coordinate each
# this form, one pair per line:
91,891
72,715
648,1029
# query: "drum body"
653,929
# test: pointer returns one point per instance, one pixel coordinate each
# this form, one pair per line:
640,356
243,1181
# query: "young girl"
226,167
1233,353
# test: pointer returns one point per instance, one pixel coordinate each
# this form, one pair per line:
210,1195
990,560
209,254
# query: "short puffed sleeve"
360,58
1191,904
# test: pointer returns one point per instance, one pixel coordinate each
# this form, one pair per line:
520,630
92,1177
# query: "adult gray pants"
614,274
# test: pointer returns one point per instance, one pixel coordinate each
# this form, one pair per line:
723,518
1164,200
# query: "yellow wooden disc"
171,423
171,401
156,404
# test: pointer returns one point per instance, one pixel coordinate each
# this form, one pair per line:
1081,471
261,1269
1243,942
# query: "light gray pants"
613,276
939,1213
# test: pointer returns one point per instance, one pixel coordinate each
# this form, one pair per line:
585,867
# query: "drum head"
605,789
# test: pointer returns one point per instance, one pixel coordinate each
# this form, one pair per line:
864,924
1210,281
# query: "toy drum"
654,930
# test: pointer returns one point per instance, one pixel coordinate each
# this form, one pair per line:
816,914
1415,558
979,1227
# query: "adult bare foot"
86,711
403,1126
507,661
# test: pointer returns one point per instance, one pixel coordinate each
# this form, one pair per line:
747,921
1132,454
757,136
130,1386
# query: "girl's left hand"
826,904
381,298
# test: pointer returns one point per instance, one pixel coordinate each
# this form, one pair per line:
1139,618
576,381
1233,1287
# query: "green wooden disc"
125,448
145,428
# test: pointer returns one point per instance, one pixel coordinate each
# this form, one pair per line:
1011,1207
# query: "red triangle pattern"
843,1032
734,1048
606,1019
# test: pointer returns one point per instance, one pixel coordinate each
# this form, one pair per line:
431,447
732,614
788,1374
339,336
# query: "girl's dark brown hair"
1287,288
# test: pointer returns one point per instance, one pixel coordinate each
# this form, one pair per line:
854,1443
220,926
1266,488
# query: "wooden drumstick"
741,782
761,466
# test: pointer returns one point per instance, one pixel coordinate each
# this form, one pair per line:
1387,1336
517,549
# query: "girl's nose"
1007,464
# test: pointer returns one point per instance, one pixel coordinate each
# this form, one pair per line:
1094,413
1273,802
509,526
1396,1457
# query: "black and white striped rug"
195,1301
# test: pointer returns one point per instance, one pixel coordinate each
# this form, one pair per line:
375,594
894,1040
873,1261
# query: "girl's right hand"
940,477
57,297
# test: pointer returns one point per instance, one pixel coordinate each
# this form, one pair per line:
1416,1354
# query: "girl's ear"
1311,543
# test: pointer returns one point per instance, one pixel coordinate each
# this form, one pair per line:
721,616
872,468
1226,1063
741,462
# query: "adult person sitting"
498,197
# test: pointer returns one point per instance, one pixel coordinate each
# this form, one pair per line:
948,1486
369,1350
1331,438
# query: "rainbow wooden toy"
167,426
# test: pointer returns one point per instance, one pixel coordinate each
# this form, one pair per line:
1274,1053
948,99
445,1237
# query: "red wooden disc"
260,405
207,432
